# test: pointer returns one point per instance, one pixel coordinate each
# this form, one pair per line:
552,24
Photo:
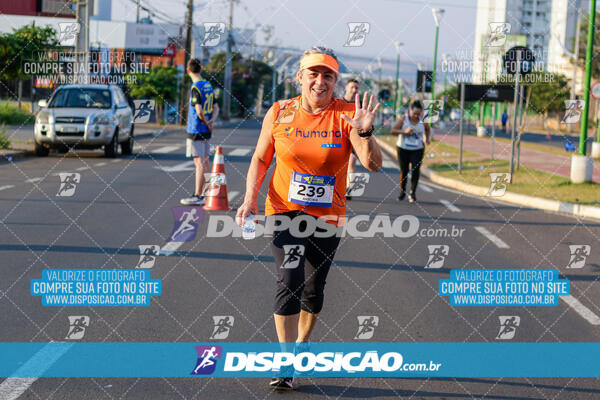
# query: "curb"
573,209
9,155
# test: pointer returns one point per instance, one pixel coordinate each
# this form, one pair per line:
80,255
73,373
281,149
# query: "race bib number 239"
311,190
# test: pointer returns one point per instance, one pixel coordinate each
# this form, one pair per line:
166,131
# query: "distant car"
85,116
454,115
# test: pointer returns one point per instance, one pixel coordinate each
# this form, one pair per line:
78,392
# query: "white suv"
85,116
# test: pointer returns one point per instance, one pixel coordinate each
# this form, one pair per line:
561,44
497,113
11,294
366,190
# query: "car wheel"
127,146
112,149
40,150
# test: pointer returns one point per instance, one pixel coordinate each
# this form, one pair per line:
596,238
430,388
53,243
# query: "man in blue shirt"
202,113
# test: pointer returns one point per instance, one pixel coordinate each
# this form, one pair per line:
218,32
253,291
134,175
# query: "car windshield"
81,98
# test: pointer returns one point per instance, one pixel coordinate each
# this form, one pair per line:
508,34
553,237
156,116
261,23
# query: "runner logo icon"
186,219
498,32
67,33
432,110
508,326
579,253
213,31
77,325
357,183
143,110
499,184
366,326
437,255
293,255
207,359
148,255
357,34
223,324
573,110
68,183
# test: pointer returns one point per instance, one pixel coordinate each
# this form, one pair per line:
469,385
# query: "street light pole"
582,167
437,16
588,75
444,62
576,60
379,89
398,86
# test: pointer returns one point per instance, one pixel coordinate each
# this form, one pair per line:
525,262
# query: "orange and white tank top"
312,152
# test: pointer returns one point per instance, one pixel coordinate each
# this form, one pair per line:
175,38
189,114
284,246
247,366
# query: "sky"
306,23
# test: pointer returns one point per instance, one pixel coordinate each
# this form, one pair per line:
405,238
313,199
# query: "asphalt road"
123,203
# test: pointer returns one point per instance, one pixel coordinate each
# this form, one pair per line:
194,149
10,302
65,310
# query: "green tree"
160,85
548,92
21,46
246,76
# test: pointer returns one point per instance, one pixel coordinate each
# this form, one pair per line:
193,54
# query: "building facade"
547,27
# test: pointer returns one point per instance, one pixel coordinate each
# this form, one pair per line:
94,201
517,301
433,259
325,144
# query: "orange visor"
322,60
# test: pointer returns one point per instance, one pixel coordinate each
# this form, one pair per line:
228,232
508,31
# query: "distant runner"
410,146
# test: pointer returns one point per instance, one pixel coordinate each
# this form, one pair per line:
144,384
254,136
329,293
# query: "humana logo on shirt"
317,134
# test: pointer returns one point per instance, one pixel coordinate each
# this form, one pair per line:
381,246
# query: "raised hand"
363,115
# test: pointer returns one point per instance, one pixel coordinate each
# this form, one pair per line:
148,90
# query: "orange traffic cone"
216,192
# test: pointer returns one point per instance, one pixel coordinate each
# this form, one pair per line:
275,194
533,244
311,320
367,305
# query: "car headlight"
101,119
42,118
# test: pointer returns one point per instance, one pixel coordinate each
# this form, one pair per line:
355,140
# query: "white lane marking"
32,180
81,168
12,388
390,164
581,309
100,164
449,205
492,238
167,149
239,152
232,195
426,188
169,248
184,166
6,187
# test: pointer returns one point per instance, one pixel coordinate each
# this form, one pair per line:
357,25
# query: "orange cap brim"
319,60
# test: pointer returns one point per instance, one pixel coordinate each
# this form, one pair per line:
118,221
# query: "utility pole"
227,83
576,62
137,13
82,43
183,95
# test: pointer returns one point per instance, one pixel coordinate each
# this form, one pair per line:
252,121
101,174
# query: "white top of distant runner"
413,141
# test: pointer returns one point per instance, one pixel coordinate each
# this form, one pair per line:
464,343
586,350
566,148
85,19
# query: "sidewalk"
554,164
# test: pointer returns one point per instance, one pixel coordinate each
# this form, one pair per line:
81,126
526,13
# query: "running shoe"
195,200
402,196
412,198
282,383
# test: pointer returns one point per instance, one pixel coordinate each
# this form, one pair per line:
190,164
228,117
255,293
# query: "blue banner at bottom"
366,359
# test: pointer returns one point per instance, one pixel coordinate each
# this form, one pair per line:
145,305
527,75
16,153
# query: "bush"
4,141
11,115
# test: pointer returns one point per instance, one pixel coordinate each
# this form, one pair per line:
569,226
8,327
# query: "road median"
565,207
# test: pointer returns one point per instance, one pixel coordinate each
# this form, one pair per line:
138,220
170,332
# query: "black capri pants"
410,160
303,264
